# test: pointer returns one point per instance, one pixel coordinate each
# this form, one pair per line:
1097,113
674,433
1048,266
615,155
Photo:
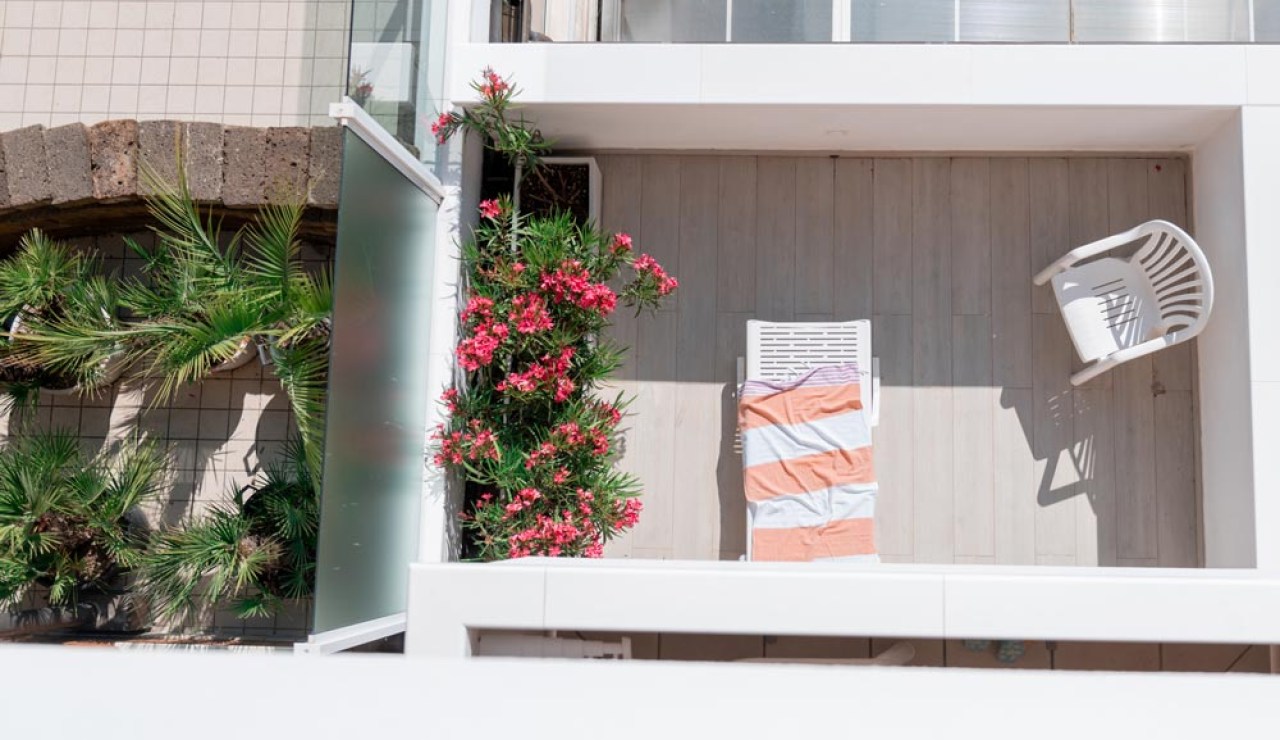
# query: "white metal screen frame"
351,116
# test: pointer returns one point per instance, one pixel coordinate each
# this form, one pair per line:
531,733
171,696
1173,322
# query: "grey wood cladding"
985,452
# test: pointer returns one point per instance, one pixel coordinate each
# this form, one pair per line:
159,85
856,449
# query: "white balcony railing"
449,602
897,21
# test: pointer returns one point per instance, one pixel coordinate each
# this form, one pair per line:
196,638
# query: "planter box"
574,186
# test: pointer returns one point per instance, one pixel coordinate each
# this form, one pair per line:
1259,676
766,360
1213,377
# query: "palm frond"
18,398
38,274
137,475
271,259
180,226
311,312
253,555
77,341
178,561
303,371
62,523
184,350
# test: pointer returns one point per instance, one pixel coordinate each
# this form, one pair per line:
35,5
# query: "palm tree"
256,553
44,285
199,303
66,519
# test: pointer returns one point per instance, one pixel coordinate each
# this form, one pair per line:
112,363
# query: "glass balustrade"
893,21
396,67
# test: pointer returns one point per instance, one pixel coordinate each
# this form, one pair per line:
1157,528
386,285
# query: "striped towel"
808,473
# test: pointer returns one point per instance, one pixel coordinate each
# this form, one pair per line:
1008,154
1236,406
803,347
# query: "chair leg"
1092,371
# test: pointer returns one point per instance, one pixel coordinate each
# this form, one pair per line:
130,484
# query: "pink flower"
545,451
621,243
564,389
645,263
567,282
440,129
483,442
649,269
451,448
609,412
490,208
629,512
477,306
493,85
476,351
594,550
450,400
599,443
561,476
530,314
598,297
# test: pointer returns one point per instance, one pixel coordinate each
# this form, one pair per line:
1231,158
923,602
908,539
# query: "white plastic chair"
1118,309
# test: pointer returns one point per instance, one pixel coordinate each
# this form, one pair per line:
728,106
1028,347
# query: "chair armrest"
1132,353
1091,249
1146,348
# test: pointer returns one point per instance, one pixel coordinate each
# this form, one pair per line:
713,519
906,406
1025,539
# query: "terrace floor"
985,453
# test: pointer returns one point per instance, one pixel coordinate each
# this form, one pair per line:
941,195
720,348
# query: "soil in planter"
12,372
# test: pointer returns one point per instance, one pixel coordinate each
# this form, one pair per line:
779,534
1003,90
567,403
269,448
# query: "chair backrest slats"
1178,275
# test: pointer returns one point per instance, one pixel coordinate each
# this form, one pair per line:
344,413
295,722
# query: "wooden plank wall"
985,452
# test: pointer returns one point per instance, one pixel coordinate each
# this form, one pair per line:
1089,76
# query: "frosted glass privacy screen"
377,392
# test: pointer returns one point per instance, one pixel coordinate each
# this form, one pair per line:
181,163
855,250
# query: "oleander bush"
528,430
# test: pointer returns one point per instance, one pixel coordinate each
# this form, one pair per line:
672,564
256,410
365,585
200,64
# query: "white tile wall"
249,62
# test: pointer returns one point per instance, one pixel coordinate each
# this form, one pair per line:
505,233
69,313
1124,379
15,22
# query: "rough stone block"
325,168
26,166
4,189
244,165
113,151
288,157
203,152
67,148
158,149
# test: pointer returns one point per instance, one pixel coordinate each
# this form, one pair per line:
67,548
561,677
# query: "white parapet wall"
1227,478
448,603
377,696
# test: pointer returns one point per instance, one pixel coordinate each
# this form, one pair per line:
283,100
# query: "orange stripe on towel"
809,473
798,405
840,539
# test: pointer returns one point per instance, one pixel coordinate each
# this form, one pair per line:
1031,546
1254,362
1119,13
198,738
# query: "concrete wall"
247,62
629,699
1225,398
1260,163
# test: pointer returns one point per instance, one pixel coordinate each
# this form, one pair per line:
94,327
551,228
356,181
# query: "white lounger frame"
780,350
